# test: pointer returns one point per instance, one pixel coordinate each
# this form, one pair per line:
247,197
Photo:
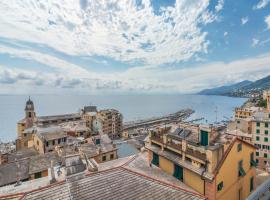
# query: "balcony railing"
196,154
178,147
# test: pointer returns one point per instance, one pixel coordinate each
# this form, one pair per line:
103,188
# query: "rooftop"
58,117
50,133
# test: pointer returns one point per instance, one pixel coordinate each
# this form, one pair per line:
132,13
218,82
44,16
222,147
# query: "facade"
261,139
242,113
214,164
47,139
89,115
110,122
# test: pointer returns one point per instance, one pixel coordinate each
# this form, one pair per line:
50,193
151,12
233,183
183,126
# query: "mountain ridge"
241,89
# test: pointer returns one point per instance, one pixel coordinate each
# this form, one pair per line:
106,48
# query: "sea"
133,107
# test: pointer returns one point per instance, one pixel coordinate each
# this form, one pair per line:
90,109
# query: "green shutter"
241,171
251,187
252,161
155,160
178,172
204,138
220,186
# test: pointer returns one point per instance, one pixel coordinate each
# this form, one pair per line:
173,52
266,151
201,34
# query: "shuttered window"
178,172
155,160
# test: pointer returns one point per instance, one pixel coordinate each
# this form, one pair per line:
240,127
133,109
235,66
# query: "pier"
170,118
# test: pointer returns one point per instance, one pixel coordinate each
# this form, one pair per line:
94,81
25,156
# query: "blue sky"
131,46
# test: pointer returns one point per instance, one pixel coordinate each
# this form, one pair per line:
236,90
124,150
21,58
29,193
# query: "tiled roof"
117,183
58,117
9,171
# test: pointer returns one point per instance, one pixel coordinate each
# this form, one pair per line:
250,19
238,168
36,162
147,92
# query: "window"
239,147
155,159
204,138
257,153
104,158
265,155
257,161
112,156
38,175
241,171
53,142
251,184
178,172
220,186
252,161
257,138
97,141
266,132
238,122
47,143
266,125
37,142
258,131
266,139
59,141
258,124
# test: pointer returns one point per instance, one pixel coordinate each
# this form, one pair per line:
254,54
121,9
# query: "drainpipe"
206,164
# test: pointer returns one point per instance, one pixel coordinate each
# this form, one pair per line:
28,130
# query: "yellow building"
242,113
217,166
46,139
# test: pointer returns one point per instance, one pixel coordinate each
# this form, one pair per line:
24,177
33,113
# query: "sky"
131,46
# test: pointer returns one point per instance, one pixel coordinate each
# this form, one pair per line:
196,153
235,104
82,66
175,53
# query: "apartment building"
216,165
242,113
261,139
110,122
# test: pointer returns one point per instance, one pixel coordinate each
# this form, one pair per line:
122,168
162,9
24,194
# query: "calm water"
132,106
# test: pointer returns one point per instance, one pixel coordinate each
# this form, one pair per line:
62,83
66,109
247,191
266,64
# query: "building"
242,113
242,128
89,115
110,122
260,137
47,139
31,120
99,148
76,128
216,165
266,96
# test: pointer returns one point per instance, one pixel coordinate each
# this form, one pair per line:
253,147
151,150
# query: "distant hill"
242,89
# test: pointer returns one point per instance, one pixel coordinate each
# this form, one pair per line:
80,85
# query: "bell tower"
30,114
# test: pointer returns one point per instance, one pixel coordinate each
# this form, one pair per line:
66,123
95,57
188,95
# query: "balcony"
196,154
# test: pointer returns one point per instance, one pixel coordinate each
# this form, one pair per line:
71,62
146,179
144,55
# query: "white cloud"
138,79
225,34
255,42
219,5
244,20
261,4
267,21
121,30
